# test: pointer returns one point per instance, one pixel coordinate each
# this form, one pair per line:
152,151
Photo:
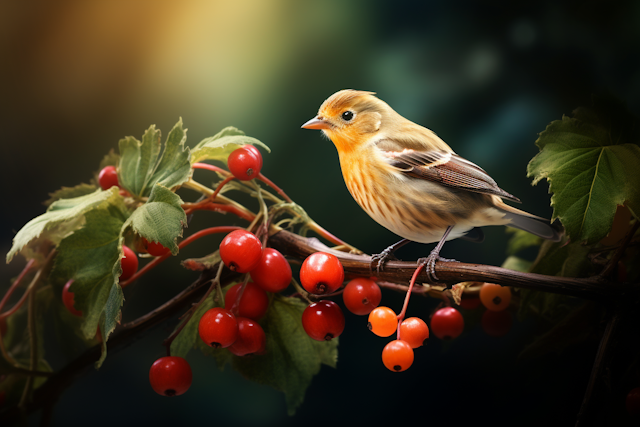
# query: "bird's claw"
381,258
430,265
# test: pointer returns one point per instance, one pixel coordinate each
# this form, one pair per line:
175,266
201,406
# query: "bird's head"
349,118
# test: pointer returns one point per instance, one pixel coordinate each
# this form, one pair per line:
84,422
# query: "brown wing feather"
447,169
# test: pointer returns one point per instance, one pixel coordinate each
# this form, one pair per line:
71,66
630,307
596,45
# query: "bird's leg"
379,259
430,261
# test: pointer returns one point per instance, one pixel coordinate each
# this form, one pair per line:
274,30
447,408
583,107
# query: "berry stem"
219,187
270,183
304,294
15,284
209,167
330,237
185,242
408,296
236,303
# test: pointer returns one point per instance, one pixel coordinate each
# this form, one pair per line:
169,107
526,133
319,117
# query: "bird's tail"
541,227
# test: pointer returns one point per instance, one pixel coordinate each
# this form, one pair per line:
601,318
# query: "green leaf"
516,263
592,167
91,256
141,165
520,240
292,358
70,192
219,146
160,219
62,218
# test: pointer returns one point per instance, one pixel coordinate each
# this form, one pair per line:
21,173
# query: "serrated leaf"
141,165
62,218
70,192
91,256
160,219
591,168
292,358
520,240
219,146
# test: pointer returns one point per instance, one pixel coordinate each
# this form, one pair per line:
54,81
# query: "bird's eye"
347,115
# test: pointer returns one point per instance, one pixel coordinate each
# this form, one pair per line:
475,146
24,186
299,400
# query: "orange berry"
397,356
382,321
414,331
495,297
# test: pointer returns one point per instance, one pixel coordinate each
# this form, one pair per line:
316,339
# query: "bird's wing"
445,168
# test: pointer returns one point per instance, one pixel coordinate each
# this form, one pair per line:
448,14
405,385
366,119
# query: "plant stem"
185,242
270,183
15,285
408,296
33,347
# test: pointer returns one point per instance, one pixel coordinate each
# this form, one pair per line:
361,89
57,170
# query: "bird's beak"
316,123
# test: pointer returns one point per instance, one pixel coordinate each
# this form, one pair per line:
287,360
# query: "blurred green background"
486,76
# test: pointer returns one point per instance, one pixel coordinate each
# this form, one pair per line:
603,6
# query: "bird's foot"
430,264
378,260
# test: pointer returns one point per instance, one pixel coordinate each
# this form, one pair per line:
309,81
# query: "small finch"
410,181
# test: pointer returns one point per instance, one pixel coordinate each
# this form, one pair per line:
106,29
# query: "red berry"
496,323
251,338
361,295
108,177
321,273
397,356
218,328
495,297
129,264
273,272
447,323
245,162
241,251
170,376
414,331
68,299
323,320
633,402
253,303
155,248
382,321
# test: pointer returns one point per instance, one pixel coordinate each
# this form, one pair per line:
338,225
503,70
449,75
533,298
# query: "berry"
241,251
397,356
129,264
251,338
496,323
155,248
414,331
108,177
447,323
170,376
321,273
253,303
361,295
382,321
323,320
218,328
245,162
68,299
495,297
273,272
633,402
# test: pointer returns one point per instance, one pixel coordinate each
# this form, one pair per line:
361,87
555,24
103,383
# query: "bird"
411,182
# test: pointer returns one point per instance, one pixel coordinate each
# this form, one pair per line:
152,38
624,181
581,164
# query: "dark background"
486,76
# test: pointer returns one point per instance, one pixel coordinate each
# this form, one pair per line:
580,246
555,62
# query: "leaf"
62,218
160,219
516,263
219,146
520,240
200,264
70,192
292,358
91,256
141,165
591,164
